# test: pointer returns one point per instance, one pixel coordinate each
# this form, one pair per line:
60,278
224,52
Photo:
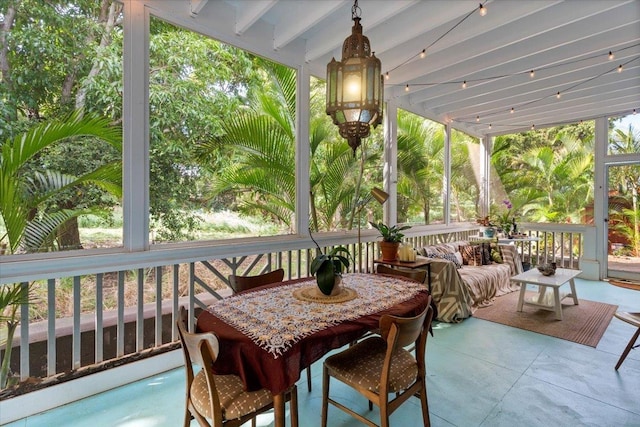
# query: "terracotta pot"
389,250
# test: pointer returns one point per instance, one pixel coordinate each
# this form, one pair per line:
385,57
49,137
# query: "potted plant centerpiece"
391,238
328,268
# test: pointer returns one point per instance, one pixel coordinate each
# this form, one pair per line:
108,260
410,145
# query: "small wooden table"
419,262
534,277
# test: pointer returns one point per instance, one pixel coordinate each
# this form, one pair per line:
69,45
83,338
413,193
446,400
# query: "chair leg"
309,379
187,417
293,406
628,349
325,396
425,405
384,411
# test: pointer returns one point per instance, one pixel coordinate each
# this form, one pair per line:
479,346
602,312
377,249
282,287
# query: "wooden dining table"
270,334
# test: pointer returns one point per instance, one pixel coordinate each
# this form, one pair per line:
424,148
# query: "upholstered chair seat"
362,364
234,401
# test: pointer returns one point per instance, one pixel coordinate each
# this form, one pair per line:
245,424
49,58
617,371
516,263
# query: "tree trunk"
68,235
5,67
108,21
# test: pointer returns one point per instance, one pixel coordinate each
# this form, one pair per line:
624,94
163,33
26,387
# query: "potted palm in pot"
391,238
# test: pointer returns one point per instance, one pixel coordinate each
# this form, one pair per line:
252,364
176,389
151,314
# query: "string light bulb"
611,56
464,84
634,111
477,118
533,127
406,88
512,110
532,73
620,68
423,53
558,95
482,10
386,76
490,126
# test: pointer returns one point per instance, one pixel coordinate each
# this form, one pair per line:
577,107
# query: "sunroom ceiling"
565,43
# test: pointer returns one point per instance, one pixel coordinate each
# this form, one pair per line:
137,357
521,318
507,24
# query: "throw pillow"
472,255
486,253
496,256
449,257
486,250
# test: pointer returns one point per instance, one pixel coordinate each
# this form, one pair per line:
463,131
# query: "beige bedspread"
458,292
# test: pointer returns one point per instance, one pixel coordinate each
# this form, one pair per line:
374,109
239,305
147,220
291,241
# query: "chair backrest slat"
191,342
242,283
409,328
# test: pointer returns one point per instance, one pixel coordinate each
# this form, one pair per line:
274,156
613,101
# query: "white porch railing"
104,328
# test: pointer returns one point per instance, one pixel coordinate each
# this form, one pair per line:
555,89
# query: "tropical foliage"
27,183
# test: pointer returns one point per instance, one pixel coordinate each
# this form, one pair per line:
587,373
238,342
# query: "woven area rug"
584,323
625,283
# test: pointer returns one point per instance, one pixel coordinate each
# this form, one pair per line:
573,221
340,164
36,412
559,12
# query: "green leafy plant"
327,266
391,234
11,298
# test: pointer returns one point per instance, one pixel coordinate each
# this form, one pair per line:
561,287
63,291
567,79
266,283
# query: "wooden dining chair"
417,275
243,283
220,400
632,319
380,367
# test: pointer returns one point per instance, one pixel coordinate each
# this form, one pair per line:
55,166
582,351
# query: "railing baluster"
24,337
99,345
192,293
77,309
158,322
176,295
140,311
51,327
120,320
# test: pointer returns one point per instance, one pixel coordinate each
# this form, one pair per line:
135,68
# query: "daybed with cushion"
466,275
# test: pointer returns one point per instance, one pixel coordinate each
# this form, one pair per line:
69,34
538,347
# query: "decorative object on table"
313,294
487,228
328,268
489,232
547,269
406,253
505,220
391,238
355,86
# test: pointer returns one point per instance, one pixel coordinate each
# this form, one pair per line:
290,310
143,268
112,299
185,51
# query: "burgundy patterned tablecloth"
268,337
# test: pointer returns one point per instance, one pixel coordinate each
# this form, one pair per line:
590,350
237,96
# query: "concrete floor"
479,374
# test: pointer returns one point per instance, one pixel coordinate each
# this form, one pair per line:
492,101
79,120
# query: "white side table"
534,277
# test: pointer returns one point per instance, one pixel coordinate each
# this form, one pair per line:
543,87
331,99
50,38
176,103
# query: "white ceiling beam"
473,28
197,5
329,41
295,21
250,13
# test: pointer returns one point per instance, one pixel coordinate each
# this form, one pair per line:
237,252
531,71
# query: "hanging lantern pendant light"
355,86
